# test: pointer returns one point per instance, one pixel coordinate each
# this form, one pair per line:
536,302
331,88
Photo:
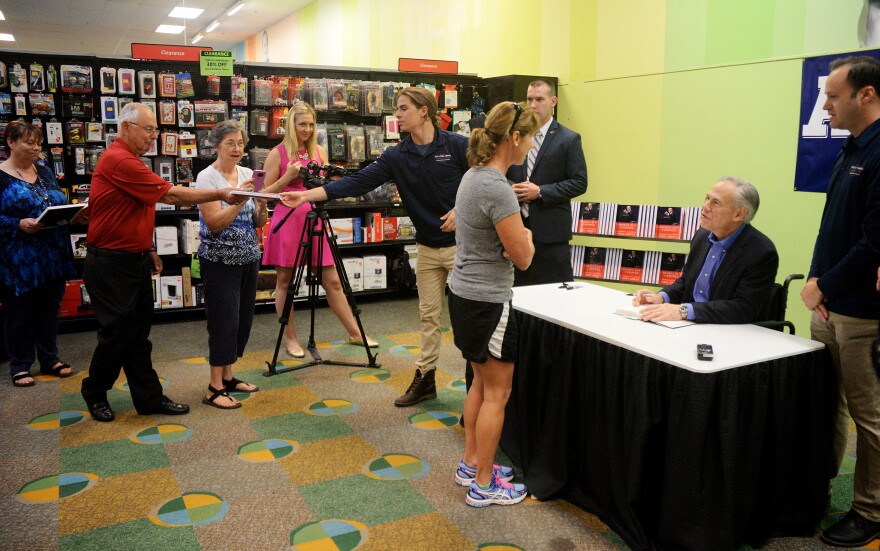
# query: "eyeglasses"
231,144
519,110
149,129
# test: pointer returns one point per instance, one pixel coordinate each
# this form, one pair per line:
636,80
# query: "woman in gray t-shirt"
490,239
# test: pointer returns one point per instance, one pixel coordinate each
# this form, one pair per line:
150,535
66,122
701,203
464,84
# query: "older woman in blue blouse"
230,255
34,262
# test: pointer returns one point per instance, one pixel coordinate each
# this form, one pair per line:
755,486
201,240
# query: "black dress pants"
121,290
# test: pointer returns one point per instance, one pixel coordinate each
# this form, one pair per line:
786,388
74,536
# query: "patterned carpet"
318,459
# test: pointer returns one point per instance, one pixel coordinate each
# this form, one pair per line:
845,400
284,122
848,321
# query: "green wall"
669,95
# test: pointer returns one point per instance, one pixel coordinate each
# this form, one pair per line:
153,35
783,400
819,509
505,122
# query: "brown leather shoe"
422,388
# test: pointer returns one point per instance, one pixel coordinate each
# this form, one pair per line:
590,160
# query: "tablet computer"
59,215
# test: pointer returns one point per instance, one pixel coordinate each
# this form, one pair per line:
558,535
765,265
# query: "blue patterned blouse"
237,243
27,260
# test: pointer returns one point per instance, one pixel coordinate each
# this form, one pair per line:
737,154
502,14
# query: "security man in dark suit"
554,172
731,268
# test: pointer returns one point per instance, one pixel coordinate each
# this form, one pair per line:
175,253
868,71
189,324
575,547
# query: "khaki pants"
849,341
432,269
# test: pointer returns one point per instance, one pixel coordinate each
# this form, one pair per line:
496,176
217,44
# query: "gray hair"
746,196
131,112
222,128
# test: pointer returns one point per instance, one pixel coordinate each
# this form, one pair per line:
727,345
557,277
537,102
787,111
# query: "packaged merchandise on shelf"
168,112
277,122
371,94
375,271
147,84
36,78
373,135
4,80
186,285
186,143
352,96
154,148
57,155
75,132
75,79
355,148
317,93
55,134
392,128
336,142
296,90
164,167
354,271
157,292
172,291
78,245
280,85
460,119
412,252
94,132
184,170
151,105
266,284
203,144
343,228
20,107
109,109
321,135
185,115
42,104
18,78
169,143
183,85
261,92
239,115
5,104
126,82
77,106
257,158
167,86
336,95
213,82
165,240
259,123
371,227
79,193
239,91
122,102
72,304
93,153
109,138
51,79
210,112
450,96
189,235
107,78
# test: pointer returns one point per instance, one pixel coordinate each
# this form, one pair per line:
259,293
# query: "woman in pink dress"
282,174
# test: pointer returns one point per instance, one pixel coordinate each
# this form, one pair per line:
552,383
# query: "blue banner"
818,144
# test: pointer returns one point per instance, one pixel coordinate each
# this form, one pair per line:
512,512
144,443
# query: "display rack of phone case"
76,99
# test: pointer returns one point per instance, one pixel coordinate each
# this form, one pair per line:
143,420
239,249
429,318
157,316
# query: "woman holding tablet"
34,262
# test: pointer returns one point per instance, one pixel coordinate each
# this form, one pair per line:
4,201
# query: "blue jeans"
31,322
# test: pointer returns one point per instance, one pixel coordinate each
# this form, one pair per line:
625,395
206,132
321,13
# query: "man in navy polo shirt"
840,289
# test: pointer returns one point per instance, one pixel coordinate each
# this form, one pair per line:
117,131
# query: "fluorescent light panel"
170,29
185,13
197,38
235,8
7,37
212,26
2,17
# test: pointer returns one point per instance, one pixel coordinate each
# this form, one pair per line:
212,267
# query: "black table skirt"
669,458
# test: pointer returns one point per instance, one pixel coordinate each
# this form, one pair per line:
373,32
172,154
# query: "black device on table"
704,352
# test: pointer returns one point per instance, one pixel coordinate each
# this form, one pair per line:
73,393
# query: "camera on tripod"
314,175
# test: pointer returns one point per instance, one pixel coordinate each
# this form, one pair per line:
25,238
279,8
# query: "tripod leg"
330,236
302,251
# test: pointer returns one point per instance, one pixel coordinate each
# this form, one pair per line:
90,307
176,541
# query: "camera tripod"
315,233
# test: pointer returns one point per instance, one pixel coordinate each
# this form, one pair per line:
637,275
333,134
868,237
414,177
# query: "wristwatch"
683,310
539,193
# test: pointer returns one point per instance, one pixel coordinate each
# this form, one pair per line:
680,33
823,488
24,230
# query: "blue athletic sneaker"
465,473
498,493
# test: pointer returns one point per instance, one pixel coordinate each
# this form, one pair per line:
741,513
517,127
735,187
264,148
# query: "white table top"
589,309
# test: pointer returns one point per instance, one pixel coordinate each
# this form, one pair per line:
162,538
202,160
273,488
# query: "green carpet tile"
317,459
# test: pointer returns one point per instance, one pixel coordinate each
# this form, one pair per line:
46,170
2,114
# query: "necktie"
533,155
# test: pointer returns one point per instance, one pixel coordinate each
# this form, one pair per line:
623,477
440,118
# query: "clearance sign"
216,63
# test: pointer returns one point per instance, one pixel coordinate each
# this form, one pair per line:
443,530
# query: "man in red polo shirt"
120,260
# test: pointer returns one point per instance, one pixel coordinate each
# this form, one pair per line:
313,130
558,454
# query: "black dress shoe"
166,407
853,530
101,411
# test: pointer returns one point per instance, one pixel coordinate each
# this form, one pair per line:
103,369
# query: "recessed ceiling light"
185,13
2,17
235,8
170,29
212,26
197,38
7,37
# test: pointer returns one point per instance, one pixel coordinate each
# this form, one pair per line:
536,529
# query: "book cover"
588,218
632,266
607,217
594,262
627,221
671,267
613,260
647,221
668,223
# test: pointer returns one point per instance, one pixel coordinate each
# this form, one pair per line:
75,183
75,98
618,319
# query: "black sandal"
216,394
232,385
56,371
16,377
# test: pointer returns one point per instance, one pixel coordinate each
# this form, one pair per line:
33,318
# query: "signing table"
620,417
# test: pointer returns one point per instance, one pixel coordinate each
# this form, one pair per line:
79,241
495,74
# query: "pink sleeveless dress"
281,247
